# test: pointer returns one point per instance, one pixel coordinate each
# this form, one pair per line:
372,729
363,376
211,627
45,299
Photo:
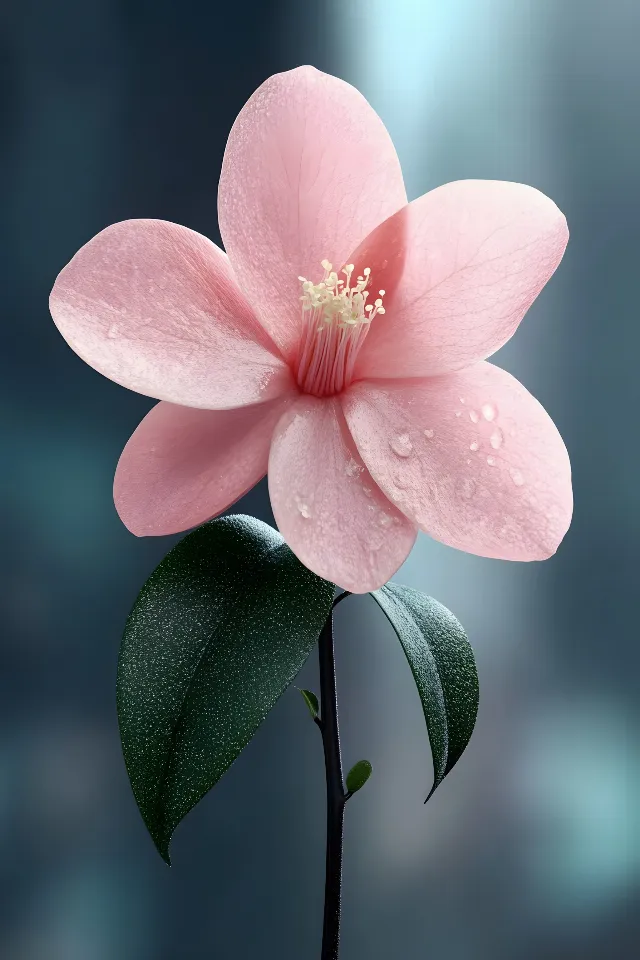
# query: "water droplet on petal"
400,481
384,519
497,438
467,488
491,461
468,461
473,416
428,433
305,509
458,413
461,399
474,446
489,412
352,469
401,445
517,477
112,332
366,491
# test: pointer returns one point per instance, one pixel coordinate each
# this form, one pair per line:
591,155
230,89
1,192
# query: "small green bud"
312,702
358,776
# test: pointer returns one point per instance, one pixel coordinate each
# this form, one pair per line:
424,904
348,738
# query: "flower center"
335,322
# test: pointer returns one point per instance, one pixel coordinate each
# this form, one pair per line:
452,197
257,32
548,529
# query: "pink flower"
339,343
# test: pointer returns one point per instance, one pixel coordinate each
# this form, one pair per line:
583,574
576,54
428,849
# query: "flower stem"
336,797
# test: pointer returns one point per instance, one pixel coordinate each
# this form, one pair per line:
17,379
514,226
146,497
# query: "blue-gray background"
114,109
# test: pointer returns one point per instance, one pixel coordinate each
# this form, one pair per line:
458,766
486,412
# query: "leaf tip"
162,843
436,783
164,853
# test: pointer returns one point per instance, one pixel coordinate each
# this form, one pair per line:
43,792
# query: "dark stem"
335,793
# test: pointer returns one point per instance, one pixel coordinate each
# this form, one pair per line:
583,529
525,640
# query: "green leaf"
312,702
358,775
443,666
217,634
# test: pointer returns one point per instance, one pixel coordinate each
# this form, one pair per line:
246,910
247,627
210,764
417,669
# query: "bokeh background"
112,109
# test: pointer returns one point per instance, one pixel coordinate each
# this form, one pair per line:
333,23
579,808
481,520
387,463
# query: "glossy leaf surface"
443,667
217,634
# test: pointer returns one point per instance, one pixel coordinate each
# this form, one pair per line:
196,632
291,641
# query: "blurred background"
113,109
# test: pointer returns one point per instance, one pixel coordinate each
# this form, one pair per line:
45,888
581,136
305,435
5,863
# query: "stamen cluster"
335,322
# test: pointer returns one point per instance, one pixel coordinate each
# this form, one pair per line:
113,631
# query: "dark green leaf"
217,634
443,666
358,775
312,702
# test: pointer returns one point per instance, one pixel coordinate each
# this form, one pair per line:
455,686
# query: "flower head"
339,344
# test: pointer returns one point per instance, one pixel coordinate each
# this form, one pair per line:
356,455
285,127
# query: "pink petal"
461,266
334,518
155,307
471,458
183,466
309,170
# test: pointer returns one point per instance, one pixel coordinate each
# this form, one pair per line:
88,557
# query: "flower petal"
334,518
309,170
155,307
461,266
471,458
182,466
